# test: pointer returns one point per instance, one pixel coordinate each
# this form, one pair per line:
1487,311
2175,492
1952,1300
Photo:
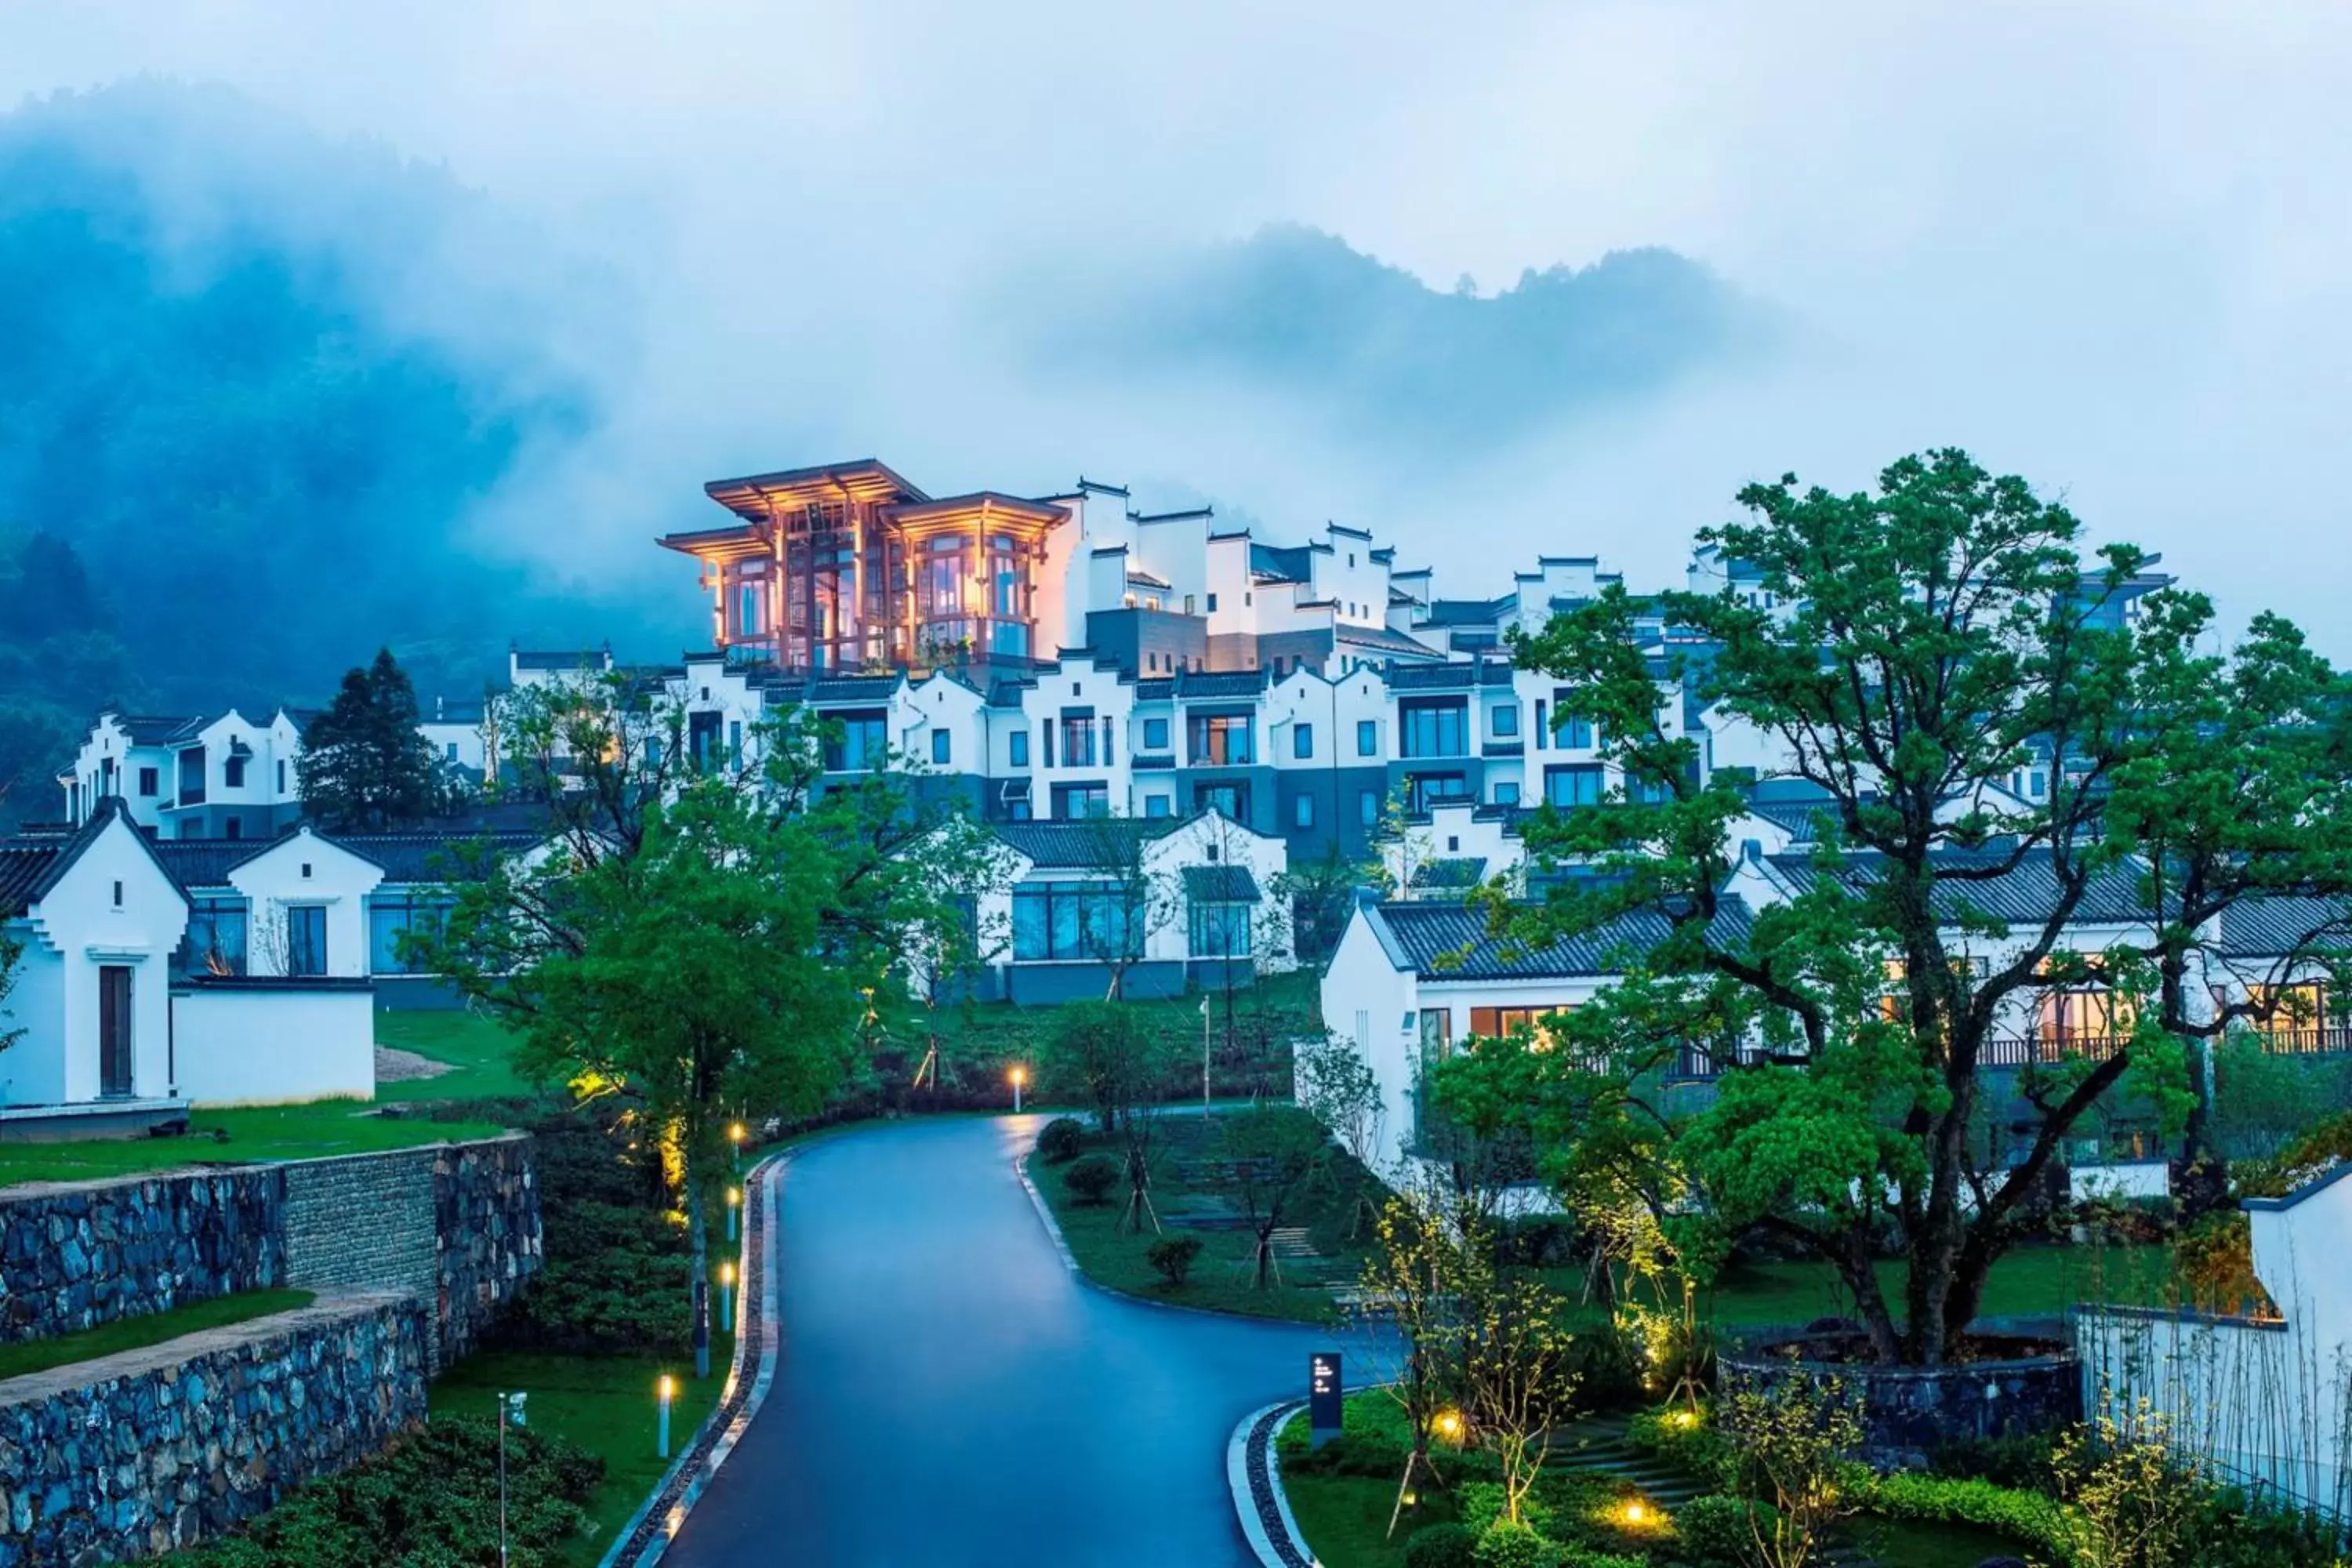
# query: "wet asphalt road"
949,1397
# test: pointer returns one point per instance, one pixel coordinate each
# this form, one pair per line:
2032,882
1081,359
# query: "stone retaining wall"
456,1224
76,1254
138,1454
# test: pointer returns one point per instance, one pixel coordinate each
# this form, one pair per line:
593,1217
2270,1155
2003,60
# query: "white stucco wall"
1368,1000
305,869
274,1045
78,929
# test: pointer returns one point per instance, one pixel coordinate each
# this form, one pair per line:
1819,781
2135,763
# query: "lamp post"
735,1137
727,1296
664,1389
1205,1056
510,1409
1020,1075
734,1210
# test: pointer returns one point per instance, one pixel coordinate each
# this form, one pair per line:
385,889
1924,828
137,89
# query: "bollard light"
1020,1075
667,1388
734,1210
735,1137
727,1296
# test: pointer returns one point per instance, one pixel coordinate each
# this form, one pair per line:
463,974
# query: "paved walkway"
952,1397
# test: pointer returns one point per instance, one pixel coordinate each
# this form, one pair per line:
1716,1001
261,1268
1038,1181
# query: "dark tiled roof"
1219,885
852,688
2275,926
576,658
1289,565
1467,612
1455,675
1220,682
1430,932
2025,893
1101,843
429,856
1160,690
1450,871
23,863
205,862
159,729
1382,638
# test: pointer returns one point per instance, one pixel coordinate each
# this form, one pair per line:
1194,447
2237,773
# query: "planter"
2021,1378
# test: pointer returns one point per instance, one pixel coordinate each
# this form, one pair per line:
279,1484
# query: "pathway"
950,1397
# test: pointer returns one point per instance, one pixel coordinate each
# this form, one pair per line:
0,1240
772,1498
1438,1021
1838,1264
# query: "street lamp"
735,1136
510,1409
734,1210
665,1389
727,1296
1020,1075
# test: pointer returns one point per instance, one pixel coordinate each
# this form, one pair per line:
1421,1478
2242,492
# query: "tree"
2135,1499
1793,1444
1319,894
1268,1153
1100,1054
1337,1086
1923,644
365,766
1517,1380
2239,788
1141,897
1413,1276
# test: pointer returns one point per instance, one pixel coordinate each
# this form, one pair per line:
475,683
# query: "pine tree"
365,766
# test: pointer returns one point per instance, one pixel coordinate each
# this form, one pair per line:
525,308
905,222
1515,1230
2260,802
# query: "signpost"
1325,1393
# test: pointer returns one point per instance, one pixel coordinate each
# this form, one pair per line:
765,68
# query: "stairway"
1597,1446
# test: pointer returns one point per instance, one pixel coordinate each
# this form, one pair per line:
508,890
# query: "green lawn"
1222,1278
153,1328
480,1051
236,1137
605,1404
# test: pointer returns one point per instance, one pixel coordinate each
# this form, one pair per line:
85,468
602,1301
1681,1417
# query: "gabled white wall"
336,879
1368,1000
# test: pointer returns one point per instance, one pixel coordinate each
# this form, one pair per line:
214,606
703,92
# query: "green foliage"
1091,1179
429,1499
1174,1256
613,1277
1685,1439
1099,1053
1717,1531
1060,1141
1793,1445
2033,1519
1508,1544
12,954
2263,1099
364,766
1442,1546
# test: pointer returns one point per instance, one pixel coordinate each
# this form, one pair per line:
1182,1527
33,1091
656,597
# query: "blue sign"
1325,1393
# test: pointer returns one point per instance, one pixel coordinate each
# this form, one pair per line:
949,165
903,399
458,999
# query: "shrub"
1173,1255
432,1498
1714,1532
2021,1461
1091,1179
1508,1545
2031,1518
1060,1141
1683,1439
1440,1546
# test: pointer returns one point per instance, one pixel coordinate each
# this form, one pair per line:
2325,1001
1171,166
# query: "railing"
2034,1050
2319,1040
2010,1052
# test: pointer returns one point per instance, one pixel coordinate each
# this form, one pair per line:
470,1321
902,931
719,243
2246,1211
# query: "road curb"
641,1542
1253,1473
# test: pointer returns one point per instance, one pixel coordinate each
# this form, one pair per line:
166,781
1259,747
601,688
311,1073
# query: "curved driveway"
949,1397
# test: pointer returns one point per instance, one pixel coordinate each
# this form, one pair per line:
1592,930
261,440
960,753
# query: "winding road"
952,1396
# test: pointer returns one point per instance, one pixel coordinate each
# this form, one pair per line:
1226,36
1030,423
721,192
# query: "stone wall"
74,1255
137,1454
456,1224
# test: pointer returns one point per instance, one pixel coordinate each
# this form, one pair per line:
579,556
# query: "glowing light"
734,1197
1684,1418
1020,1075
727,1274
669,1387
735,1132
1637,1513
1448,1422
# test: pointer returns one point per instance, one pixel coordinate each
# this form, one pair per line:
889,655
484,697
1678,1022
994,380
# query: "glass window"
1368,737
1575,734
1212,604
863,745
1504,721
1155,735
1367,807
942,746
1579,784
1078,743
1221,930
388,922
1081,800
1302,811
150,784
306,940
1432,728
1425,790
1060,921
233,773
1543,730
1157,806
1016,746
1229,800
1507,792
1221,740
1302,740
216,936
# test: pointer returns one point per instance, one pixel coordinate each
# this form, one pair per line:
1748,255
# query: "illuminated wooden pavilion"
847,566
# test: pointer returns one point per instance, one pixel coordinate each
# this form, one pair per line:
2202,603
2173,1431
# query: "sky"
2099,243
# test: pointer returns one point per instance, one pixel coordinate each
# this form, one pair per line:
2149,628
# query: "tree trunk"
699,1248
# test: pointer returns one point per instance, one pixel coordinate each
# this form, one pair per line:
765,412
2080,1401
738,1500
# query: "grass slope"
152,1329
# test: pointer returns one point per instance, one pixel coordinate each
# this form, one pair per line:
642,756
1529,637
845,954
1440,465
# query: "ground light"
1020,1075
1447,1424
663,1389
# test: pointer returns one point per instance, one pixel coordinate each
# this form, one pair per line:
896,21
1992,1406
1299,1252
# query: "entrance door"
114,1029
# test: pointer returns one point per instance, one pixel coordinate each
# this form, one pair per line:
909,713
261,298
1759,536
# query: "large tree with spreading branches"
1909,651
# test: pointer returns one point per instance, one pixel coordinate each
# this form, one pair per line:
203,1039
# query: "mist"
2101,248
